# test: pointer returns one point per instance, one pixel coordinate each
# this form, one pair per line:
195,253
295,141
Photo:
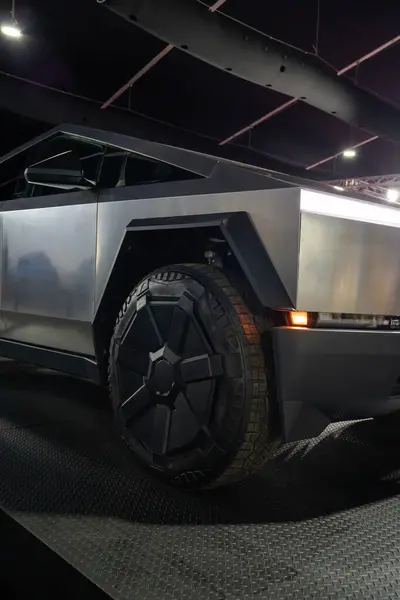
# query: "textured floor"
322,522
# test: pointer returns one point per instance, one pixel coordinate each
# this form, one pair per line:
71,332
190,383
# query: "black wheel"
188,379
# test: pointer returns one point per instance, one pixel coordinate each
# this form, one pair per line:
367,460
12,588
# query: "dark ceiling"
79,47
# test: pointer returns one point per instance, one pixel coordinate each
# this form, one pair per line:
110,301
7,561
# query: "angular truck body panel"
331,253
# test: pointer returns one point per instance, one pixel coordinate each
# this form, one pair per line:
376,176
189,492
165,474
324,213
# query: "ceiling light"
11,30
392,195
349,153
10,27
339,188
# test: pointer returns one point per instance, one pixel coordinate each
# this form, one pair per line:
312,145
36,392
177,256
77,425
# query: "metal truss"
376,187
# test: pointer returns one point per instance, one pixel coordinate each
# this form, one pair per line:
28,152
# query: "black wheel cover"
178,374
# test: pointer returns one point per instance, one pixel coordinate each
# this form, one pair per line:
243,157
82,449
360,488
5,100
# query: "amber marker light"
298,319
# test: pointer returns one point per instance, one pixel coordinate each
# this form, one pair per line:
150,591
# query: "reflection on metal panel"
59,334
275,214
342,207
348,266
2,325
48,274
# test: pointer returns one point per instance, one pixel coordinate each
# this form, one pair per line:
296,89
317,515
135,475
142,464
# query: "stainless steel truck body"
109,241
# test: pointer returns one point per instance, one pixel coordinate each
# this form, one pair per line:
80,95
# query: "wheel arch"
152,243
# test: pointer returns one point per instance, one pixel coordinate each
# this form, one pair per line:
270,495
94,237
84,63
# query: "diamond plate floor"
323,521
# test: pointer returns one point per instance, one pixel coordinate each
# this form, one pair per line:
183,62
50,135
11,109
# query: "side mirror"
65,179
62,171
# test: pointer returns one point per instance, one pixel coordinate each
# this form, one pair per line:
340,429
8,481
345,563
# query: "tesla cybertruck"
227,307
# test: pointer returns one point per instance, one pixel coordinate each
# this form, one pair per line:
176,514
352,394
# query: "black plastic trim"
73,364
333,374
239,232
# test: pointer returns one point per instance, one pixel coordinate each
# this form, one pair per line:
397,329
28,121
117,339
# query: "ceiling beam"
262,119
152,63
53,107
137,76
286,105
216,5
229,45
369,55
333,156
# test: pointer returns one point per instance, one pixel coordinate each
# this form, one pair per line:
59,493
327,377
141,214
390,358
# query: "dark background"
78,47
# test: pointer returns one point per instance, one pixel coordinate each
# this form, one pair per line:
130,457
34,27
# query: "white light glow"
392,195
339,188
345,208
11,31
349,153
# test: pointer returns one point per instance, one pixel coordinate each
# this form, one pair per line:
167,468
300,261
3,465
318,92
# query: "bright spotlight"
11,30
349,153
392,195
339,188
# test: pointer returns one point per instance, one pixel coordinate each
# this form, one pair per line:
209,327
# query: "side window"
62,153
107,167
59,152
12,176
140,170
112,169
122,168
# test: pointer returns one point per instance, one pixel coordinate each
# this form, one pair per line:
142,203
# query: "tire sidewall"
194,468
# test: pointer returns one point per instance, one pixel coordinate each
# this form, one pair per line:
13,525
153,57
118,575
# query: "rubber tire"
241,439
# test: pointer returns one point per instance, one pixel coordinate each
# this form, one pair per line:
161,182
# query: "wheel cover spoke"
143,329
184,424
154,324
201,367
133,360
161,428
179,326
136,404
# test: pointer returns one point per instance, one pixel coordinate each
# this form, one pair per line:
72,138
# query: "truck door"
48,246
